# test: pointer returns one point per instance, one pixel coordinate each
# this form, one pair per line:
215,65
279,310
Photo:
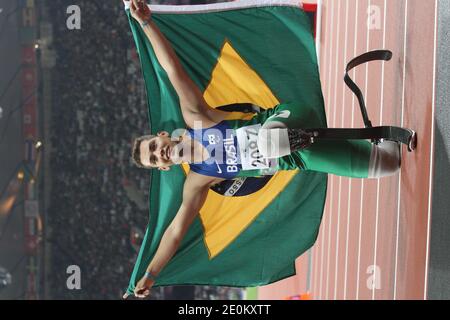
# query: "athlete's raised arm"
194,195
192,103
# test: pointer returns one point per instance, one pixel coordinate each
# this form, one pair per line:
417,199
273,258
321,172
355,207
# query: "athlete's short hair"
136,152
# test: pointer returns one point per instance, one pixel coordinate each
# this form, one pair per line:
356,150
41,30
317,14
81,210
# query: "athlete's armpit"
201,112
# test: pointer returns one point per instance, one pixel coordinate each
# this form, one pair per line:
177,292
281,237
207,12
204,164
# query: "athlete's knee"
385,159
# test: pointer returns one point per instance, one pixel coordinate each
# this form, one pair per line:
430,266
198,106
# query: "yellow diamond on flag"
225,218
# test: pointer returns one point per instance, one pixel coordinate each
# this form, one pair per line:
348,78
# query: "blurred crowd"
99,107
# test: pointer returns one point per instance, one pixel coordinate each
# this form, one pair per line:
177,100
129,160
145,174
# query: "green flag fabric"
258,52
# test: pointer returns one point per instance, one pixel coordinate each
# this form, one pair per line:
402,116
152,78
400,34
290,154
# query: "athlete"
217,149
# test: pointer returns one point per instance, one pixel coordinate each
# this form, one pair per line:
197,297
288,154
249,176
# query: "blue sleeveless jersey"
222,145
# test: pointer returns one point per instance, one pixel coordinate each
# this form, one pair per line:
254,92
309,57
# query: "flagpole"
221,6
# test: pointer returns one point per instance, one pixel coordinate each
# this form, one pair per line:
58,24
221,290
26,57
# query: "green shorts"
349,158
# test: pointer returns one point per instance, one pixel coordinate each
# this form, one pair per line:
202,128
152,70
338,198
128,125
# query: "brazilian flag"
245,52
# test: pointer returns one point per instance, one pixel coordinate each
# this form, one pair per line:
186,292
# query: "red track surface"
382,223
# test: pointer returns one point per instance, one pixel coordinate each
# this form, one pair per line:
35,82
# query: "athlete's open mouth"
168,153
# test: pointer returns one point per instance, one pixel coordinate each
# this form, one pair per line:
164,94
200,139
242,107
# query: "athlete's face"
160,152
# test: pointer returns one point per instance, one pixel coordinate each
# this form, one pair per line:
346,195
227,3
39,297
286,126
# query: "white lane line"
328,112
330,60
322,250
340,178
337,240
334,125
378,182
313,287
350,183
431,151
362,182
314,273
400,175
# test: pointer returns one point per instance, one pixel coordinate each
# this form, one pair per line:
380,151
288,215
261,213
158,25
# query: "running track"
374,238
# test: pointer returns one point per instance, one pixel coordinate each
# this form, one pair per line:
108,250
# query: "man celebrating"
218,149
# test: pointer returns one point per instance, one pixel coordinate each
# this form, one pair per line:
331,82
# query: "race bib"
251,158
